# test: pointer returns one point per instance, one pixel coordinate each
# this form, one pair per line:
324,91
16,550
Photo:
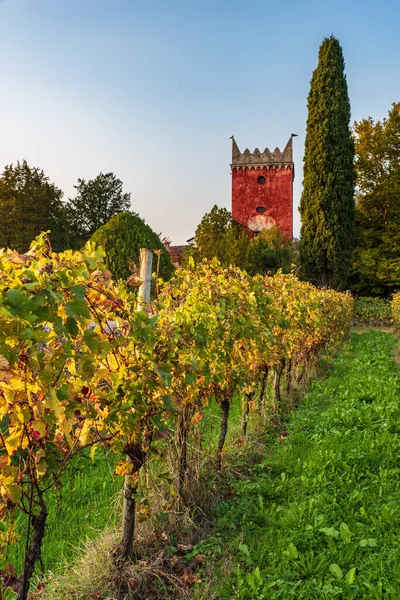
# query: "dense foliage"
319,516
218,236
327,201
270,252
79,366
395,304
376,260
374,311
121,239
29,204
96,202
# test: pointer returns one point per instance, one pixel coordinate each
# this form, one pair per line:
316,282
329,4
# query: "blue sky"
153,89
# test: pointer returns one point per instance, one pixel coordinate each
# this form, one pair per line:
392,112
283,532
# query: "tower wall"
263,181
275,195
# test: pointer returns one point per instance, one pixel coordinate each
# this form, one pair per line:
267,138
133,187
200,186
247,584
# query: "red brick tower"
262,188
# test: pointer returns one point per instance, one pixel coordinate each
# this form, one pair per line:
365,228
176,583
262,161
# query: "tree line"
30,203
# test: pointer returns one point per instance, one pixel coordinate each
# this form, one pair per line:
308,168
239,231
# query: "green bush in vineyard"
121,239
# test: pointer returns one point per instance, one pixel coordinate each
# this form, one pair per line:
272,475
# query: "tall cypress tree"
327,202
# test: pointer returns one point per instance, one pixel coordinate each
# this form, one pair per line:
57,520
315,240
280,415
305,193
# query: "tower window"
261,179
261,209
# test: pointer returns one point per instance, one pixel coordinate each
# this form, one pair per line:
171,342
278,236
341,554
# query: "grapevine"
79,367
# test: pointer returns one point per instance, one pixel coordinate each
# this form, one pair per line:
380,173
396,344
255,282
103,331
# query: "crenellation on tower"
257,158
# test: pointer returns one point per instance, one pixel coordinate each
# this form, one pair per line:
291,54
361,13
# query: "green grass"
82,507
320,516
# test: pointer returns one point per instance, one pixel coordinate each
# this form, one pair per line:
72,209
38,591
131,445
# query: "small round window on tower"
261,179
261,209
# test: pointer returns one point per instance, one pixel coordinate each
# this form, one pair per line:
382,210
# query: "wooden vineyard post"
135,456
146,262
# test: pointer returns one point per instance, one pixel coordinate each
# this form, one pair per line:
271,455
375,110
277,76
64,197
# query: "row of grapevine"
80,367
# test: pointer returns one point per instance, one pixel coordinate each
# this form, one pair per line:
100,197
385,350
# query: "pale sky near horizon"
153,90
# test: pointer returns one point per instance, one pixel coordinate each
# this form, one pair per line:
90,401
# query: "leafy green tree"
219,236
96,202
269,252
29,204
121,239
327,202
376,259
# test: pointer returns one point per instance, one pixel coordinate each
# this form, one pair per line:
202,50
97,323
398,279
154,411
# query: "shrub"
375,311
122,237
395,304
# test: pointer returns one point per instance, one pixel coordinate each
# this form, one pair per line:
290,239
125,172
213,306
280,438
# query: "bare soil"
365,328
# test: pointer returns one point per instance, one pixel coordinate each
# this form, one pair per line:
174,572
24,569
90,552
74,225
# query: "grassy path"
320,516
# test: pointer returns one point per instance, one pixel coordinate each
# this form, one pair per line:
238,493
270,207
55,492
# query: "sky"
152,90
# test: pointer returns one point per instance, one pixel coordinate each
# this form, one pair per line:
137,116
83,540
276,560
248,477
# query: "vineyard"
83,370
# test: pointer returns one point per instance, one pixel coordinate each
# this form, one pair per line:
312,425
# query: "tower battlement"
261,159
